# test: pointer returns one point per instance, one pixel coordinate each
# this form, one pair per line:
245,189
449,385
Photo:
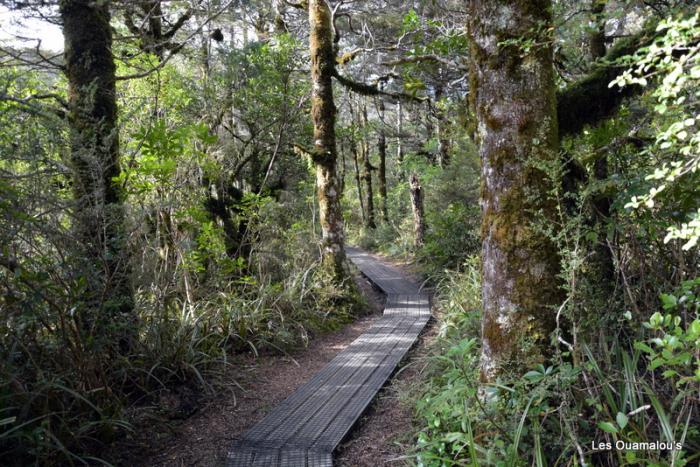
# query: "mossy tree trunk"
515,108
324,151
443,139
596,35
99,214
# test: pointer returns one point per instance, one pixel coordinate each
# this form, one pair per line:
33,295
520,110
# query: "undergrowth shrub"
65,394
602,392
453,233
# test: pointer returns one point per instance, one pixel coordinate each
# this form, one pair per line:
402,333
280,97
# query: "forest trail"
305,429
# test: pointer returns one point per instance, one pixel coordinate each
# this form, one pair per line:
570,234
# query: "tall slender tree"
367,169
418,212
513,94
94,155
324,151
381,173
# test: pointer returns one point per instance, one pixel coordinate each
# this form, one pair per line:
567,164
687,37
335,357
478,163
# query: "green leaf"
656,319
607,427
533,375
621,420
643,347
657,362
669,301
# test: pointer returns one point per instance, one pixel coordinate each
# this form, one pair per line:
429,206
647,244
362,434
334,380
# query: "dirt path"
204,438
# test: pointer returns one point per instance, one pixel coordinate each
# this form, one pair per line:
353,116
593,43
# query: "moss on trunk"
515,108
323,115
99,213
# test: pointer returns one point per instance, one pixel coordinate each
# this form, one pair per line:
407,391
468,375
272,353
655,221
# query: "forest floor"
257,384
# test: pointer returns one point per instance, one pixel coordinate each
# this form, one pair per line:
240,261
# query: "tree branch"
424,58
590,99
178,24
373,90
175,49
26,104
303,5
312,153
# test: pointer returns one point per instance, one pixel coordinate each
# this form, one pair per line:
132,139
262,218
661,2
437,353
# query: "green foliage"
411,21
452,234
161,151
465,423
206,284
676,346
671,61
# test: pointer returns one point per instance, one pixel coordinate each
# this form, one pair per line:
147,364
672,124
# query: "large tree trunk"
515,108
99,217
381,149
367,174
324,152
417,207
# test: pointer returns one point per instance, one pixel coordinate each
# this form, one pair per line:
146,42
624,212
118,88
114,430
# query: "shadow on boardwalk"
305,429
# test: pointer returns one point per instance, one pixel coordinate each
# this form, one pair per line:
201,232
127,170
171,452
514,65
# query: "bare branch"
29,106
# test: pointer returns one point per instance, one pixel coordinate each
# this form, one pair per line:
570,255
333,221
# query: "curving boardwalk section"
305,428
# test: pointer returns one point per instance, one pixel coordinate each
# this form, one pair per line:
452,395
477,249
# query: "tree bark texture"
515,108
99,217
601,203
323,115
417,207
443,139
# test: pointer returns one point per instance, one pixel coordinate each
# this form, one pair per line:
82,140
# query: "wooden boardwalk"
305,429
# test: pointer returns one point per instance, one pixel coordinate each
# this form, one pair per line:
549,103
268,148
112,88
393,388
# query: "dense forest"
180,181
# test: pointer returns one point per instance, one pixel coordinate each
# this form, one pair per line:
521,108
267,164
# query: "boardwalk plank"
307,426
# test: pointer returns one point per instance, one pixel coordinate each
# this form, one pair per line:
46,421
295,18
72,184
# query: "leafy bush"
453,233
554,413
